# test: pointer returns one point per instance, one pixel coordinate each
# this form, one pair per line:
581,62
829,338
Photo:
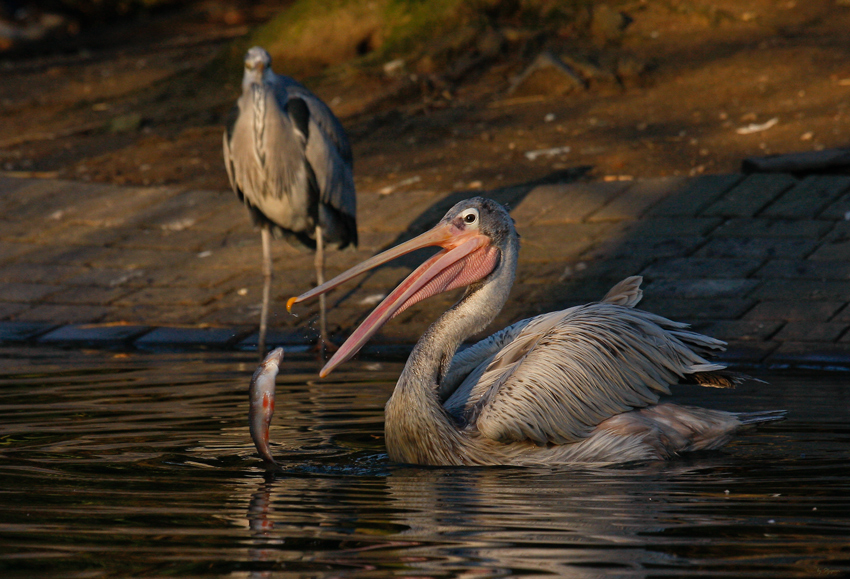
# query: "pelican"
577,386
289,161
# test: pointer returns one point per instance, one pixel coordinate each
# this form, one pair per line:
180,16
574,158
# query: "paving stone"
836,246
751,195
10,250
173,259
206,277
645,247
613,269
186,209
701,288
804,269
813,354
182,337
558,242
400,211
638,198
190,240
742,330
23,331
116,206
82,256
808,198
108,277
100,334
17,231
66,314
9,310
92,295
167,295
773,228
155,315
793,311
759,247
692,310
565,203
374,242
697,195
38,273
744,352
80,234
229,219
843,315
805,290
671,226
832,250
9,186
63,200
806,331
838,210
138,258
25,292
695,268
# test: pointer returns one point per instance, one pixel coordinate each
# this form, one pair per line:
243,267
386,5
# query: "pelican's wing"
566,372
626,293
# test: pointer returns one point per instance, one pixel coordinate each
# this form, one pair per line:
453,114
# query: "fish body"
261,408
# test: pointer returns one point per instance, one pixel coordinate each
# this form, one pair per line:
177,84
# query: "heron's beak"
467,256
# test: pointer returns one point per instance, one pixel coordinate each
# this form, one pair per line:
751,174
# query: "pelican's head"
473,236
257,62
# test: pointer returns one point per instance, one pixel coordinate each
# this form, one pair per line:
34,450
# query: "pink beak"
467,257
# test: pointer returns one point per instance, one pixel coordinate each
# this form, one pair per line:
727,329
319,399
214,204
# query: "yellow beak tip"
289,303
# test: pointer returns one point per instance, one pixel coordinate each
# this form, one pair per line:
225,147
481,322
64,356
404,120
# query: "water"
140,464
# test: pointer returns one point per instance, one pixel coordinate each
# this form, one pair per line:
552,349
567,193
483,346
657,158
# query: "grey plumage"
288,159
580,385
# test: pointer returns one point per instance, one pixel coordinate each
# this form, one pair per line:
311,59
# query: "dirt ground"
717,81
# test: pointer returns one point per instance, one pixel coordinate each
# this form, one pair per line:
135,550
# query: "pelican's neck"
416,425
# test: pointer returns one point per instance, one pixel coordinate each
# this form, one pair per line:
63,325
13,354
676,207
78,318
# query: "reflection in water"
142,465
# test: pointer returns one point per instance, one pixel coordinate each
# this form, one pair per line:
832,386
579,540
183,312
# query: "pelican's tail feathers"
762,416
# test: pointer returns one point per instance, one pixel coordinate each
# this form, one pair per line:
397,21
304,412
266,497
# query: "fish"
261,408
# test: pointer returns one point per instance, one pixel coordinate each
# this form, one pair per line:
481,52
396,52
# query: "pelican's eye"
470,216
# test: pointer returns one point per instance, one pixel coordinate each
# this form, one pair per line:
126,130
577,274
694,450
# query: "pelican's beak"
467,256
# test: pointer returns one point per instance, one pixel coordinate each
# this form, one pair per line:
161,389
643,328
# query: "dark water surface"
140,464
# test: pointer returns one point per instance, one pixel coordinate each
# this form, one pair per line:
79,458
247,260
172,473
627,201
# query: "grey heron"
577,386
289,161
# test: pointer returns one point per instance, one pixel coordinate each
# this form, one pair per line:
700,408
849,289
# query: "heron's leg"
320,279
266,237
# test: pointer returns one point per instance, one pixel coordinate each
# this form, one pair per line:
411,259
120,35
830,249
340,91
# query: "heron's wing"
228,155
334,177
563,375
331,174
267,161
322,115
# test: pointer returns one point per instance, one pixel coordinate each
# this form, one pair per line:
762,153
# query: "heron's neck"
416,423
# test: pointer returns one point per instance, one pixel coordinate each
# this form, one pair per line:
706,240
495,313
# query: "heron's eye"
470,217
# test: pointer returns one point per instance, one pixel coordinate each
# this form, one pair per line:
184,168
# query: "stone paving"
761,261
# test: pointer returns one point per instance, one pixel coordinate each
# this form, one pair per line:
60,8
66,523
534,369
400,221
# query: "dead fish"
261,408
